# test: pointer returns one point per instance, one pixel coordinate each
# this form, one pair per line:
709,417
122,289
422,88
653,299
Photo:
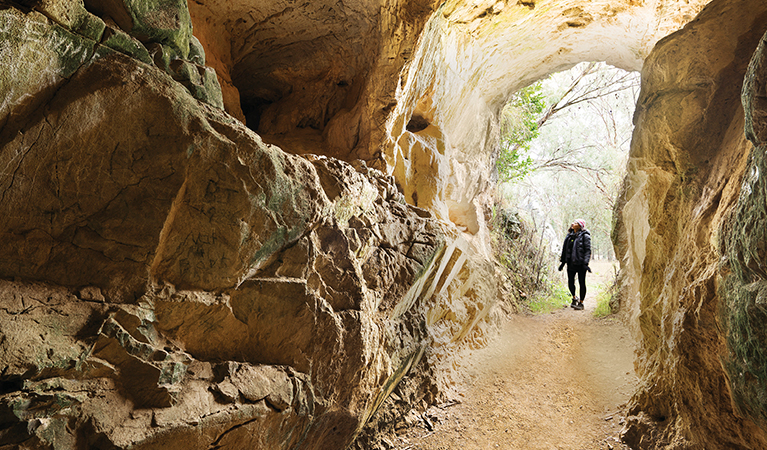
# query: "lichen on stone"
743,241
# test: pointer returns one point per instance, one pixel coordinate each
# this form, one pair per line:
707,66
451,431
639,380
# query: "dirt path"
556,381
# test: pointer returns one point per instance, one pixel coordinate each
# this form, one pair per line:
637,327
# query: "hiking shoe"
574,304
578,306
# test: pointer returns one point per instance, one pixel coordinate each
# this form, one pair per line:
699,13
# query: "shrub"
603,302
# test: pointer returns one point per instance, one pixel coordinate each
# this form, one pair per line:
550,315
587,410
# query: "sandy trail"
554,381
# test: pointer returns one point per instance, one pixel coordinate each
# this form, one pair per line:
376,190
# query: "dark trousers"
572,269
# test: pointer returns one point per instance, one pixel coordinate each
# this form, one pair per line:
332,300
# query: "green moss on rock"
89,26
122,42
67,36
165,21
744,292
196,51
72,15
34,43
38,55
743,241
209,90
754,103
201,81
162,56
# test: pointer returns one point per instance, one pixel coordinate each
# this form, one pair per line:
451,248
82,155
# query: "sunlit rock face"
444,132
691,233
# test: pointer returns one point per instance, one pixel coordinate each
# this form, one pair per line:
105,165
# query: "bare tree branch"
594,90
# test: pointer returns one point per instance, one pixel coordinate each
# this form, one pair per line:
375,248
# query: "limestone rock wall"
443,134
688,236
169,280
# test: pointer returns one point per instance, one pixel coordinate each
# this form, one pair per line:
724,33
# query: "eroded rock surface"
312,77
198,278
171,281
743,244
688,236
473,56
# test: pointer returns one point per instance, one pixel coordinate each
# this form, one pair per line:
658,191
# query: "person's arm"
562,256
586,248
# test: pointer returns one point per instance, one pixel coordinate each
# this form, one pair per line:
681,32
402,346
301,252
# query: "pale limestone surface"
472,56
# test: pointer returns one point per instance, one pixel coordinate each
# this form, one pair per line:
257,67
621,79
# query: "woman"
576,253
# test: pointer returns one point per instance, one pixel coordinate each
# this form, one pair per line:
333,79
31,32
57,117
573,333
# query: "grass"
545,303
603,302
559,297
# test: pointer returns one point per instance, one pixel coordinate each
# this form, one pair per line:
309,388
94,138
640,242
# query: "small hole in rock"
8,386
417,123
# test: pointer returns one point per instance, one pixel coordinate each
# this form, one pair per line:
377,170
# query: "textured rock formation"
170,280
689,229
743,245
443,133
314,77
235,225
198,279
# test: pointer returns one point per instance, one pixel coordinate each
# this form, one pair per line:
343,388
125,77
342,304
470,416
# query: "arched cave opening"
564,149
663,231
568,134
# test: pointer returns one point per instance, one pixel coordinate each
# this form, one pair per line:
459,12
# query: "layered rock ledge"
172,281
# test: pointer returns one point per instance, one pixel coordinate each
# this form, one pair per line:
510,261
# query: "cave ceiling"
345,79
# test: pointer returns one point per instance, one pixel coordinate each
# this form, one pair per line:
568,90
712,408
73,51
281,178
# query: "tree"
578,152
519,126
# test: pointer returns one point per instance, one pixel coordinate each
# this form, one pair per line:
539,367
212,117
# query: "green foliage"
520,116
608,301
555,298
513,164
519,126
517,248
603,301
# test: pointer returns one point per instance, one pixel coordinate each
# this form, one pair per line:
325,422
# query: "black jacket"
580,252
